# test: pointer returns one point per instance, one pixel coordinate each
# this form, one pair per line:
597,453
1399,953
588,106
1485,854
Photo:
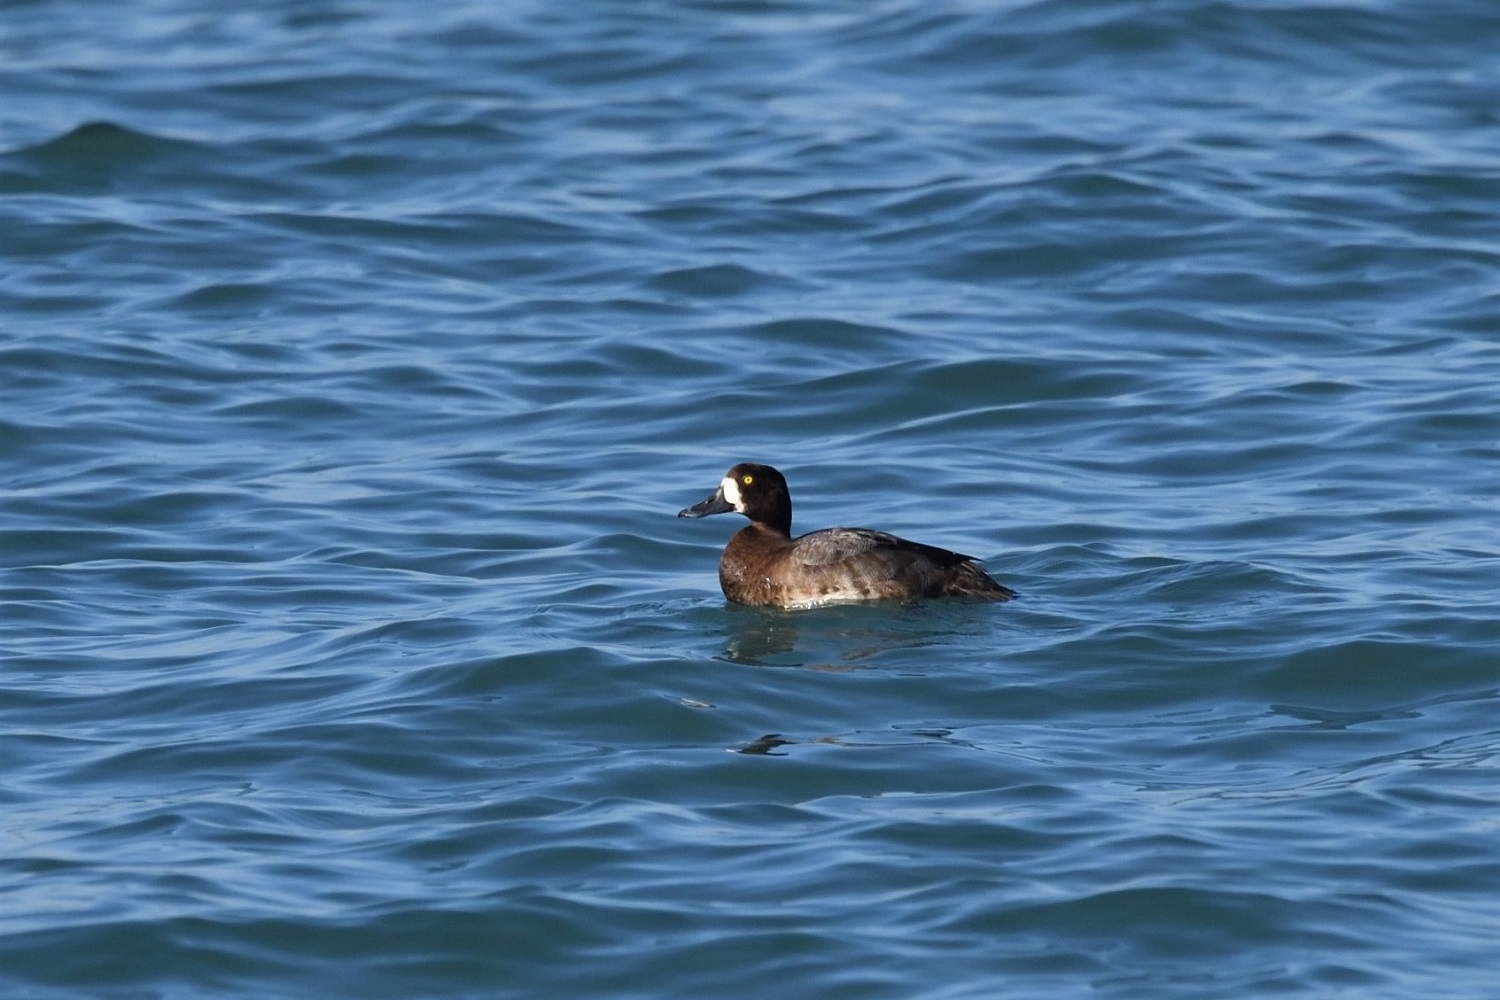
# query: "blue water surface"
355,358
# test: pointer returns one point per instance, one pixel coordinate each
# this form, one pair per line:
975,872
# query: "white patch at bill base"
731,491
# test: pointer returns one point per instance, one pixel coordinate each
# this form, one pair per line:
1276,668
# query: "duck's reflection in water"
843,636
820,639
838,638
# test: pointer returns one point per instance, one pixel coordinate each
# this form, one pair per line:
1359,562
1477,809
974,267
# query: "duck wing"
835,545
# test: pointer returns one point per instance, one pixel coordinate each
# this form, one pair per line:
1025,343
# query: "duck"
763,565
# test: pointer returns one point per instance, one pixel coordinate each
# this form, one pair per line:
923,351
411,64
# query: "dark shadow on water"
765,746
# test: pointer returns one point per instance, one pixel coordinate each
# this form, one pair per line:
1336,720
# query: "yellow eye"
747,480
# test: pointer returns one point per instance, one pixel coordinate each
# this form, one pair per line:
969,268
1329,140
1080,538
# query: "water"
355,358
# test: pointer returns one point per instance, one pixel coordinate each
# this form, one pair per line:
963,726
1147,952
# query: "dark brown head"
757,491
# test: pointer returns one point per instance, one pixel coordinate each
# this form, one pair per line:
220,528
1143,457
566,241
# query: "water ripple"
356,360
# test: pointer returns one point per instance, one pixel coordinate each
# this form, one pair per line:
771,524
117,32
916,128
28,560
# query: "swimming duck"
764,565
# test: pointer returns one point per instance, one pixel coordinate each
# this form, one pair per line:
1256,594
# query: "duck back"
846,564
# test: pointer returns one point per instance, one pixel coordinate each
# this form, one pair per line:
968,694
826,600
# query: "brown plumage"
764,565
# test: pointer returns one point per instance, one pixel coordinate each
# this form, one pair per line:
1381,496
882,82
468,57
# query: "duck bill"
714,504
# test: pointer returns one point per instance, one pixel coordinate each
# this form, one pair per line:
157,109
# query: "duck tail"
968,580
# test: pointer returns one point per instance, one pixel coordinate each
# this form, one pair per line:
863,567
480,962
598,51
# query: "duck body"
764,565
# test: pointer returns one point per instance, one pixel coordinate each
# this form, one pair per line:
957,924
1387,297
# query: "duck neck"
781,523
